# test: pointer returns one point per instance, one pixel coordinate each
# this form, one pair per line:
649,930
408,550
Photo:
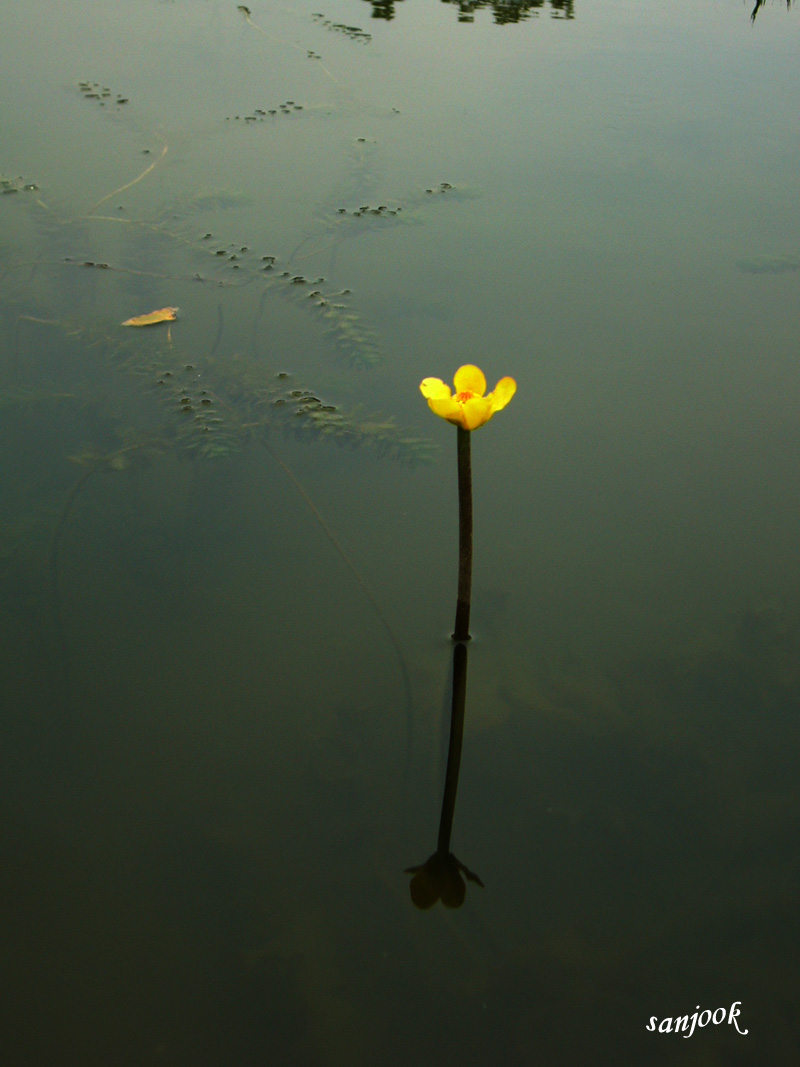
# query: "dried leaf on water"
152,317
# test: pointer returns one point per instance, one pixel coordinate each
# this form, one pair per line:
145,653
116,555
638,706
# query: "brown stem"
464,600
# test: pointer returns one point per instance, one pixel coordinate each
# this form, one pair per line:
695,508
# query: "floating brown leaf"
152,317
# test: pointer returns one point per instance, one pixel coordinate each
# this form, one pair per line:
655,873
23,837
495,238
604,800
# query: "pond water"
228,542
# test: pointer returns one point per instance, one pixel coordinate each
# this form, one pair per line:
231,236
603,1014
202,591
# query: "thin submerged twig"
392,637
291,44
115,460
128,185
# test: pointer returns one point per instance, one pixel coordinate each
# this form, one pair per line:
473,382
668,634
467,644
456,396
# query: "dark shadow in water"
760,4
504,11
440,876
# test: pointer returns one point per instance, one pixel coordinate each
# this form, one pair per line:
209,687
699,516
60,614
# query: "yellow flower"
468,408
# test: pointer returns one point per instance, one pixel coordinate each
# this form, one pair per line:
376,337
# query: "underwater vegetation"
51,284
504,12
15,185
202,374
769,265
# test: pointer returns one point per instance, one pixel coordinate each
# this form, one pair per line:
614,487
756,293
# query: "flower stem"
464,600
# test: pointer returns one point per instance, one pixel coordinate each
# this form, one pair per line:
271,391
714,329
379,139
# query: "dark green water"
226,543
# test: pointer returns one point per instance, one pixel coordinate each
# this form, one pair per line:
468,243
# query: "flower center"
462,398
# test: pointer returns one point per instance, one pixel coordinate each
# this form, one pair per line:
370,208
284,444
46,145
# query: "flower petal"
475,412
470,379
503,392
447,407
434,389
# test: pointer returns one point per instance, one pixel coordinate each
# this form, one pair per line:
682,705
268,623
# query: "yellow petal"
152,317
447,407
503,392
434,389
470,379
475,412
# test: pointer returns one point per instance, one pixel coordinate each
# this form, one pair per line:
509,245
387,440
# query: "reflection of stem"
454,747
464,535
135,181
442,875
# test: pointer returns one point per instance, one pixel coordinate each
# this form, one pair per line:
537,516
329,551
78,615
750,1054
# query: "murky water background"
213,779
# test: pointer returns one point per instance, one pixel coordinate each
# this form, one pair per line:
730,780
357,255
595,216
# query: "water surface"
225,542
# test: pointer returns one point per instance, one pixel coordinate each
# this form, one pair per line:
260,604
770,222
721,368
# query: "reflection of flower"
468,408
439,878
